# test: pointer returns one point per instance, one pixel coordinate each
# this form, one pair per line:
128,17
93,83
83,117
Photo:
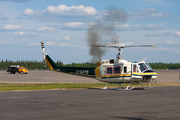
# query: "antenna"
43,49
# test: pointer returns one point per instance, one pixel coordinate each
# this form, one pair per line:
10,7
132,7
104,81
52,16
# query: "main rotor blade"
141,46
123,46
98,46
116,45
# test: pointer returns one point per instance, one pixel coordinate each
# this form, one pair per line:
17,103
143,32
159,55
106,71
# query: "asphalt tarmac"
88,104
47,76
81,104
44,76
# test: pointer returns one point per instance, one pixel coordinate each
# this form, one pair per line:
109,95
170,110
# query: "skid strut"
127,88
146,87
105,87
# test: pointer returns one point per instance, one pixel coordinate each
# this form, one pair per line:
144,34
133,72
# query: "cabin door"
135,68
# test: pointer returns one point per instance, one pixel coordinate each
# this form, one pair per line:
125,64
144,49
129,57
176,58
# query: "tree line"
31,65
165,65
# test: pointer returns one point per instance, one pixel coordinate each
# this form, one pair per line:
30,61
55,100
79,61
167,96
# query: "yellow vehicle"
22,70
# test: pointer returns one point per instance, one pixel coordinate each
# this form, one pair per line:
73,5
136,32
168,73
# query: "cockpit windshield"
144,66
148,66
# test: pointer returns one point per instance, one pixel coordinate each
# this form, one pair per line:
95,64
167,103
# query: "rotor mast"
119,56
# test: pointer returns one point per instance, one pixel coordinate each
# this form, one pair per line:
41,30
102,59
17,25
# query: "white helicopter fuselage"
122,71
111,71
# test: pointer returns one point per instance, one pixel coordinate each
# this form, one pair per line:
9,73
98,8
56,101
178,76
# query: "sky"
63,25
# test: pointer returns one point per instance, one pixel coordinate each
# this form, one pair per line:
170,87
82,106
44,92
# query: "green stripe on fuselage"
114,77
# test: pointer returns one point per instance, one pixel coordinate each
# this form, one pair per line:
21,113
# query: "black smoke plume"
102,32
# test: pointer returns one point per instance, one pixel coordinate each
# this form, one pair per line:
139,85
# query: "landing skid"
116,88
127,88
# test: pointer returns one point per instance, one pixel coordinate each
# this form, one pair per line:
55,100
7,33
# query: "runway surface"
40,76
44,76
81,104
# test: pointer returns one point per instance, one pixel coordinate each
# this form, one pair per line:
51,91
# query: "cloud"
73,10
57,44
33,44
84,26
60,45
157,2
159,34
163,49
168,46
58,38
67,38
152,27
50,43
172,42
148,14
169,42
28,11
45,29
139,27
25,34
63,13
4,18
6,42
12,27
177,34
123,26
74,24
174,50
17,0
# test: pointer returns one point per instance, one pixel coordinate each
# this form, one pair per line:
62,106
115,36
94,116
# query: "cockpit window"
148,66
143,67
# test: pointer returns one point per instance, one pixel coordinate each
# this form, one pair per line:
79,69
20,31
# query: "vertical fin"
52,65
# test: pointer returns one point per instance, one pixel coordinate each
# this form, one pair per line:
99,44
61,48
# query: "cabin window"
125,69
117,69
111,61
109,70
135,68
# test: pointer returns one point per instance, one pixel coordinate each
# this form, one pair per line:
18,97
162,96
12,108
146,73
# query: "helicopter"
113,71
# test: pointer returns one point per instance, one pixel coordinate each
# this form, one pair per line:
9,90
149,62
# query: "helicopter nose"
147,77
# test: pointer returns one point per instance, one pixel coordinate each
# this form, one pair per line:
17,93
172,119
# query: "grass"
51,86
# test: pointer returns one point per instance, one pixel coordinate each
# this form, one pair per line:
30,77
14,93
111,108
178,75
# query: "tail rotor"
43,49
